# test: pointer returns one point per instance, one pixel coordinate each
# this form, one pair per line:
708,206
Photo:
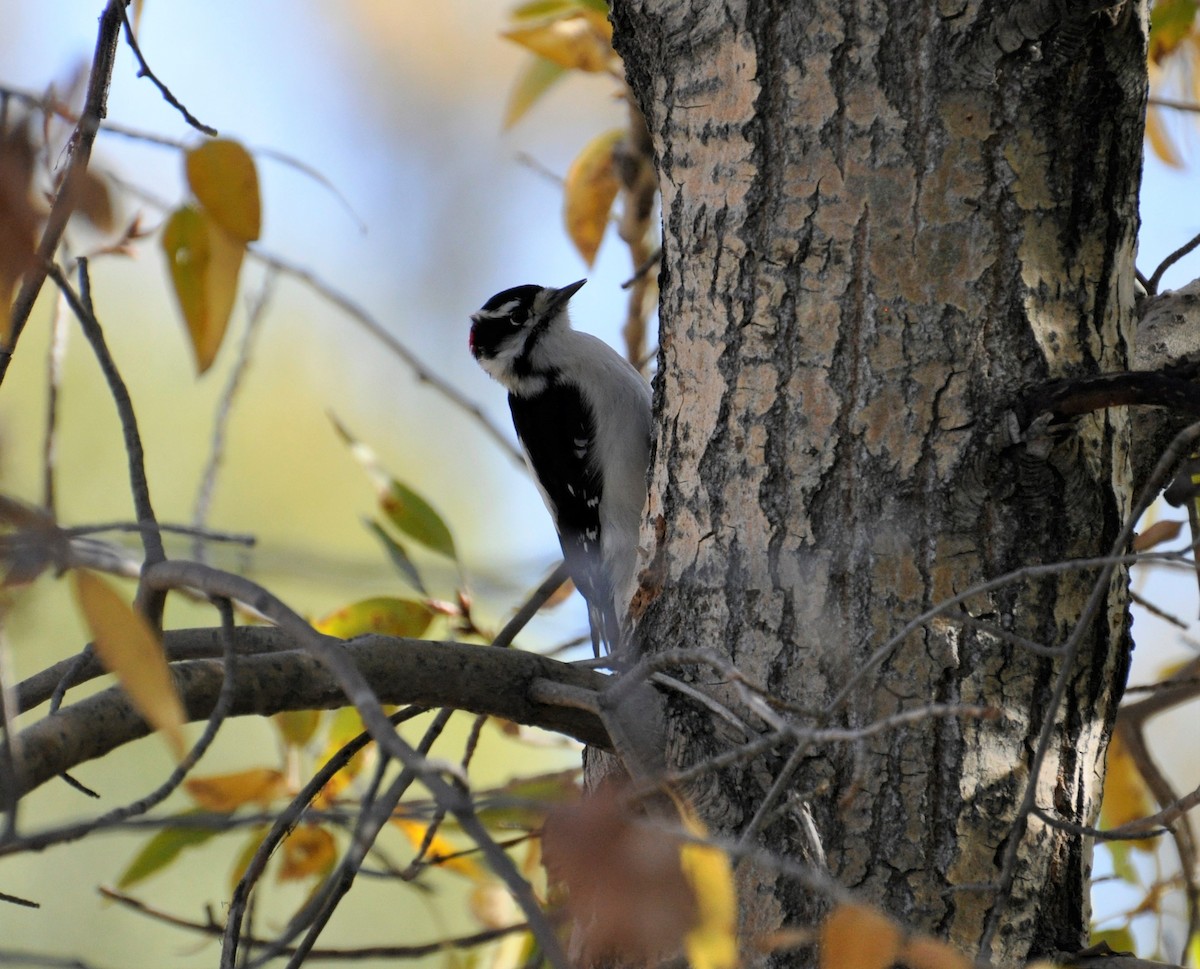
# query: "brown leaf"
924,952
626,889
19,218
228,792
93,201
1163,530
307,851
859,937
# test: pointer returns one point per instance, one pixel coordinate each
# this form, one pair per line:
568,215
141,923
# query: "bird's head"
505,329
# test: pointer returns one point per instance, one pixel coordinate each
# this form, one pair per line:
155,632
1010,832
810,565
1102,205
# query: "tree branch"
95,108
274,674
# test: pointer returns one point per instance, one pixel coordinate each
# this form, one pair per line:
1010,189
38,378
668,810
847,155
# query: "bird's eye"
519,316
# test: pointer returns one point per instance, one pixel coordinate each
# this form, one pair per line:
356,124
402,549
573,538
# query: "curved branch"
280,676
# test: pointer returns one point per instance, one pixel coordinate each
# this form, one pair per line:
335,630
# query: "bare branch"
144,71
95,109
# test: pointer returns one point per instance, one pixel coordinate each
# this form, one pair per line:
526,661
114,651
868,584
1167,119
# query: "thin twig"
332,655
423,373
370,822
283,826
95,107
73,832
144,71
538,598
150,604
210,927
1170,458
1156,277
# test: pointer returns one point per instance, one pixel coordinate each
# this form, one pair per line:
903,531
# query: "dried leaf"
384,615
204,263
307,851
859,937
1160,141
574,43
626,889
222,175
536,78
1163,530
129,649
588,193
1126,797
18,216
924,952
160,850
225,793
94,201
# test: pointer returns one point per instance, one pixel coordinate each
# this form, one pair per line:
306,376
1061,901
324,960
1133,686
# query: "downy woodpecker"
582,414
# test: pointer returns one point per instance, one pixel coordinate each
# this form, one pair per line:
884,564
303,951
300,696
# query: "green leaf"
1170,23
1119,940
416,518
535,79
384,615
162,849
404,565
405,509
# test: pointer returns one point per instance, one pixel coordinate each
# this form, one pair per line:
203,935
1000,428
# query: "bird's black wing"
557,431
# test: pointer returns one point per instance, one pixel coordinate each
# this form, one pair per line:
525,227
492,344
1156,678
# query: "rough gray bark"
883,221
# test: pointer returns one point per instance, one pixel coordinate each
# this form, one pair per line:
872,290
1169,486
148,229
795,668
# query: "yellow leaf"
535,79
204,263
1160,141
384,615
924,952
228,792
345,726
588,193
307,851
297,726
129,649
440,847
859,937
222,174
1126,797
574,43
711,942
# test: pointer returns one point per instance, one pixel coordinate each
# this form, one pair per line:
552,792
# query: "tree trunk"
882,222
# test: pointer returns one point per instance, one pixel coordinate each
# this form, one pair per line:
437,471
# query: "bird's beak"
562,296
